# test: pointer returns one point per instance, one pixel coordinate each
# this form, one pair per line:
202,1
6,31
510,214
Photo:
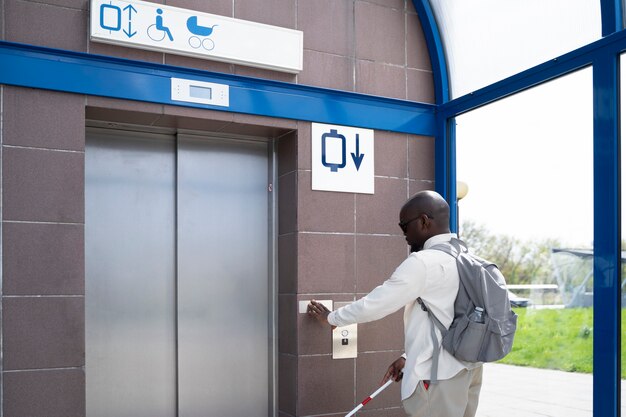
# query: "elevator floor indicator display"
342,159
200,92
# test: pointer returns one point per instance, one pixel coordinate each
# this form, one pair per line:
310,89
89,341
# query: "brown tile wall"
43,315
339,246
331,245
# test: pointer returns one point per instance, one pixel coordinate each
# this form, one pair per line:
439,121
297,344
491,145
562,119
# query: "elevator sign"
144,25
342,159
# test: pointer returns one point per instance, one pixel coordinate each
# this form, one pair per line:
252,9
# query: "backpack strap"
434,321
453,248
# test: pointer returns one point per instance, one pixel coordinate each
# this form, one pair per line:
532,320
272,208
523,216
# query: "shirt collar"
437,239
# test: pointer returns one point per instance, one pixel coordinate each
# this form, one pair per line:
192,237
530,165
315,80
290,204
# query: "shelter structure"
161,215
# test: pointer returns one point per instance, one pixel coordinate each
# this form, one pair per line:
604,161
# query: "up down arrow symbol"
130,33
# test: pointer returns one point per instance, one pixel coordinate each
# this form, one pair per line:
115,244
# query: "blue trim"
442,167
435,50
445,164
572,61
445,151
607,239
611,11
31,66
450,191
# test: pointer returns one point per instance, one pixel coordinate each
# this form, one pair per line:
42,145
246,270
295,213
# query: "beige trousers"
454,397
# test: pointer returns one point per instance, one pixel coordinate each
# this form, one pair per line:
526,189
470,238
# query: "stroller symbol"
194,28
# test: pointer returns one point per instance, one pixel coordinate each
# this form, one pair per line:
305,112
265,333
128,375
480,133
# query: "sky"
528,162
528,158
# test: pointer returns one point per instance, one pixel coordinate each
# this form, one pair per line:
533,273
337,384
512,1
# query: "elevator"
179,297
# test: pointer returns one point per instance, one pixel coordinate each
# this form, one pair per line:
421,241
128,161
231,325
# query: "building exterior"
154,254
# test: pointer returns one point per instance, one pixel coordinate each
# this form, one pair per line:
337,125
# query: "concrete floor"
513,391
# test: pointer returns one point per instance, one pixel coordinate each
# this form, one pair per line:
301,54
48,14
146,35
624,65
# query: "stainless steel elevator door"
130,309
223,278
177,276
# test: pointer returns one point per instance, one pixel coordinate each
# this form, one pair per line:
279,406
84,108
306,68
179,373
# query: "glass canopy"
488,40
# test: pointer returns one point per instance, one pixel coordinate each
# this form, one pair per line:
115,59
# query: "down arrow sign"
356,156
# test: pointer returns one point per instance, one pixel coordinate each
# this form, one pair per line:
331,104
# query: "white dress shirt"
431,275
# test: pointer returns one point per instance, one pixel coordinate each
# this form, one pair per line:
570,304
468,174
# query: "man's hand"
394,371
319,311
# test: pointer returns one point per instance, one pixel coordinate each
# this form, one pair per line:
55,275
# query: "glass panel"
528,164
488,40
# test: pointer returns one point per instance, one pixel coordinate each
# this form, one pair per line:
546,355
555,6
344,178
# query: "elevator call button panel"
345,340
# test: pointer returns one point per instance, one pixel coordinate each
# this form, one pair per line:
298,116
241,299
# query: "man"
433,276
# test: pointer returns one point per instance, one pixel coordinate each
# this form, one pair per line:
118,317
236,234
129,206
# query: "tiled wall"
340,246
43,253
331,245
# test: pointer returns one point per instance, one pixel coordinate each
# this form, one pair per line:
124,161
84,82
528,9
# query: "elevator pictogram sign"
342,158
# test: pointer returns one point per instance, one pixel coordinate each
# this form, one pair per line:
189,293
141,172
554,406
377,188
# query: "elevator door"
177,276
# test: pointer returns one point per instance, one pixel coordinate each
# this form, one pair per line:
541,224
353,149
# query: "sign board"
143,25
342,159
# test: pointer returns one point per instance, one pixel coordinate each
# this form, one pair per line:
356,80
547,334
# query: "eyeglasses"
405,224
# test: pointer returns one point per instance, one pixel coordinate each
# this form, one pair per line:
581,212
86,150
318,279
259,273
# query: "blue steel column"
607,223
607,239
445,152
450,134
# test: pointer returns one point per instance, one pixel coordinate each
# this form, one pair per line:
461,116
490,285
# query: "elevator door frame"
272,224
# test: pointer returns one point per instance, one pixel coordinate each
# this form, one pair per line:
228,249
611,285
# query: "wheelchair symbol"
157,31
204,31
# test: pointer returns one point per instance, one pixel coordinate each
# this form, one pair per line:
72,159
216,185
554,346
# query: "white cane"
368,399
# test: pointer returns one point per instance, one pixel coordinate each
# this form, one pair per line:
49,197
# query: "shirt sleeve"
403,287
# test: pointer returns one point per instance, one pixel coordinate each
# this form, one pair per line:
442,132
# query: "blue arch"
445,166
612,17
435,50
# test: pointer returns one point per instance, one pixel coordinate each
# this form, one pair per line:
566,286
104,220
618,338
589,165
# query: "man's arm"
403,287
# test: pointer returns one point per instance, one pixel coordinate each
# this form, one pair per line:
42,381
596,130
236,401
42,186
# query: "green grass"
554,339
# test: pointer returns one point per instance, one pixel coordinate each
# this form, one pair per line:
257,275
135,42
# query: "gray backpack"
481,285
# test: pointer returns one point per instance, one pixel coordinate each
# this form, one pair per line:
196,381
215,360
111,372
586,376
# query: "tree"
521,262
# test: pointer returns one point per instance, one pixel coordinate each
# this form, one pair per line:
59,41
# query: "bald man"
433,276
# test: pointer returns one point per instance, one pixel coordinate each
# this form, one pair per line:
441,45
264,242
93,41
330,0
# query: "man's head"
423,216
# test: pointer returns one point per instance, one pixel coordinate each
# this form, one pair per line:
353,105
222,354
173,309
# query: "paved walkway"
514,391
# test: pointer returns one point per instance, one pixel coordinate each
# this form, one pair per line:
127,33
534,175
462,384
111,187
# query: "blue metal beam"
572,61
607,239
52,69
